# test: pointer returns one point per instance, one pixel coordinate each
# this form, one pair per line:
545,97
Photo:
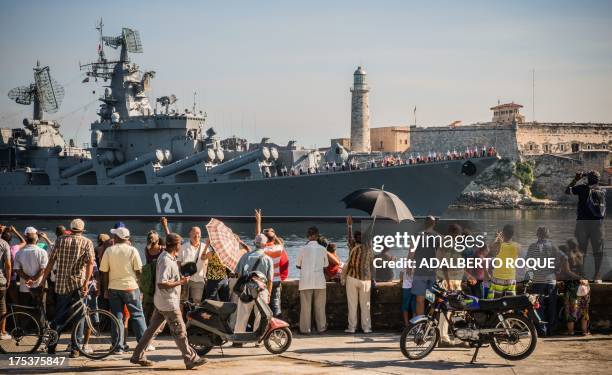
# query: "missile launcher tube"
152,157
235,163
183,164
77,169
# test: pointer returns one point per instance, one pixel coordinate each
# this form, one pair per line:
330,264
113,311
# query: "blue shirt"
247,262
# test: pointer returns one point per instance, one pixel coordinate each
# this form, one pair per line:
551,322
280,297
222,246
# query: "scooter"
208,324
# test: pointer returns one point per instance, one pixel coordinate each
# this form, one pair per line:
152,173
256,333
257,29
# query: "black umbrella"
378,203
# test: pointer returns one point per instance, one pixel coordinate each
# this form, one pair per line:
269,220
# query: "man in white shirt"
168,281
194,251
311,261
30,263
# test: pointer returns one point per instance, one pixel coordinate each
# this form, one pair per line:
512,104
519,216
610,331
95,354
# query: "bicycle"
28,333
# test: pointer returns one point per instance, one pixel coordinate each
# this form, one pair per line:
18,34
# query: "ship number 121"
171,203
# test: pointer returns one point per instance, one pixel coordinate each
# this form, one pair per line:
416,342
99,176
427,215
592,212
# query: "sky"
283,69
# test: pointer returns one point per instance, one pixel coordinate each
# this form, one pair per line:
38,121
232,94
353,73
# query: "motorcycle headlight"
429,295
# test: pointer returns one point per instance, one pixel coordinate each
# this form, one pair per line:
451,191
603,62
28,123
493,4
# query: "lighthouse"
360,113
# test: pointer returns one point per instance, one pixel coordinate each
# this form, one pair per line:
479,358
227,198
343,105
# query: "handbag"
583,290
243,279
191,268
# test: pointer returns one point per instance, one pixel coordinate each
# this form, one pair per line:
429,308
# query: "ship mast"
125,96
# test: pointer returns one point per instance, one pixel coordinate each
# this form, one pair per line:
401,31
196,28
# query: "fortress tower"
360,113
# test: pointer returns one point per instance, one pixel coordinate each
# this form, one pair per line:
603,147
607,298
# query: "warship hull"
427,189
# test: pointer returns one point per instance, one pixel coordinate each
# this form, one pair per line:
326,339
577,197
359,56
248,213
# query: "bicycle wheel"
25,332
101,334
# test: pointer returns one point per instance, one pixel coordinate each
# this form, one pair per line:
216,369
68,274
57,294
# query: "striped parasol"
224,242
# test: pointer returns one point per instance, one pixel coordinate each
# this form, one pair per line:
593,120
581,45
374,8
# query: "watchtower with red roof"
507,113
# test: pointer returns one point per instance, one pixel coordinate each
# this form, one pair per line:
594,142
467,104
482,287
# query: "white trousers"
358,292
443,323
243,313
308,297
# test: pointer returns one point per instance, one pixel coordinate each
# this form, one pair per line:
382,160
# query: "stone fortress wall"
443,138
563,138
514,140
555,151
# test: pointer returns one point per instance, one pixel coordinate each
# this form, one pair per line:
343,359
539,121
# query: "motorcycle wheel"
201,349
522,340
415,343
278,340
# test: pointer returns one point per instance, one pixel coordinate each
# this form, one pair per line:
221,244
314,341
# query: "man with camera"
590,212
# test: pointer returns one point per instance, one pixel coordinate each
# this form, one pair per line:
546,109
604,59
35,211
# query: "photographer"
590,214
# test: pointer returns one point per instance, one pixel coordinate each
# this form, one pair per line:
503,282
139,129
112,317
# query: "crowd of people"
386,161
146,296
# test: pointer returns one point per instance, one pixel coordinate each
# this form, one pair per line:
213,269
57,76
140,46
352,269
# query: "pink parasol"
224,242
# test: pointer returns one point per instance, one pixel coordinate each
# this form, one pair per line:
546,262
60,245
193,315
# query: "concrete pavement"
336,353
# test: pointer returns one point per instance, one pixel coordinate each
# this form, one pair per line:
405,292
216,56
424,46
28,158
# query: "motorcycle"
208,324
504,323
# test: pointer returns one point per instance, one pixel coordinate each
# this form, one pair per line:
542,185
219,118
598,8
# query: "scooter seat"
221,308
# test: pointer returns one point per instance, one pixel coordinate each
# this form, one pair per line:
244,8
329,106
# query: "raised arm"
577,177
257,221
22,241
45,238
349,232
495,245
164,224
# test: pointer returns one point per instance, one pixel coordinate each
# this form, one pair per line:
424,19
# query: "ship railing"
75,151
392,161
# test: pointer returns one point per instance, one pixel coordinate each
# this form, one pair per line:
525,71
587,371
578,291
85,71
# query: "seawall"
386,313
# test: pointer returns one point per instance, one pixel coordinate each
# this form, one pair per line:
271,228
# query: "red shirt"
283,265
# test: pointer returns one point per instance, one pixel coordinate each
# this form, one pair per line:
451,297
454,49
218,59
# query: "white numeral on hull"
171,205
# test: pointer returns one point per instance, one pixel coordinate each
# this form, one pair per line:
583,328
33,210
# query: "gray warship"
149,159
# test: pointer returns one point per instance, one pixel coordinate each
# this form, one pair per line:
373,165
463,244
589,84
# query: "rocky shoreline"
517,184
504,199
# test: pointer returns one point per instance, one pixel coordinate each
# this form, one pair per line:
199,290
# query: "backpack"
243,279
596,202
147,280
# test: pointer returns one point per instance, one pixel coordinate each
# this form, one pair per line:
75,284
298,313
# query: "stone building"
507,114
516,138
344,142
562,138
390,138
360,113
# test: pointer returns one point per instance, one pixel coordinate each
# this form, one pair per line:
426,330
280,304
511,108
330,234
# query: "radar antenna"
165,101
46,93
128,41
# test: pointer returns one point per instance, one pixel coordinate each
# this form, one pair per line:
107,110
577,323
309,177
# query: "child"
503,278
476,276
408,299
